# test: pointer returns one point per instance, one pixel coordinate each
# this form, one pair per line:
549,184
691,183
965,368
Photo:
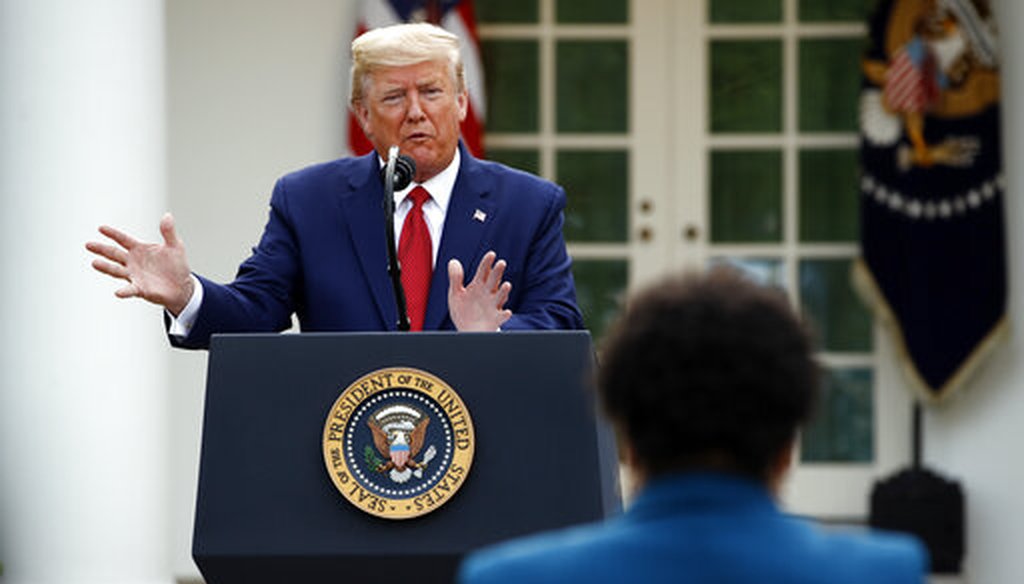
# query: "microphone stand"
394,269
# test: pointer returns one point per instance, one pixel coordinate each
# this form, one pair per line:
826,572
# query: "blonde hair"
401,45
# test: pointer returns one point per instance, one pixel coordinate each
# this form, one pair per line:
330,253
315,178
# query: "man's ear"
462,100
632,475
626,454
781,465
362,114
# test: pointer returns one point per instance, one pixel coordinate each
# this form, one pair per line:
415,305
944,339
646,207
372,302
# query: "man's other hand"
480,306
157,272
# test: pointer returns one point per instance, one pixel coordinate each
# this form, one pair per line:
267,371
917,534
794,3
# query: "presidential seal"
398,443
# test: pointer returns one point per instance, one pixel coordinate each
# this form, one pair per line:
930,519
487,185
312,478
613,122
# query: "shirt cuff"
181,325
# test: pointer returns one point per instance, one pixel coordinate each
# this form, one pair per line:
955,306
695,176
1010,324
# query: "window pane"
595,185
829,85
746,86
511,76
592,86
764,271
828,195
835,10
591,11
503,11
600,290
842,427
839,319
723,11
746,195
528,160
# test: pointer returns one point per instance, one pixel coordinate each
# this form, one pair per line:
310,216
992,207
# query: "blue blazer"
323,254
701,529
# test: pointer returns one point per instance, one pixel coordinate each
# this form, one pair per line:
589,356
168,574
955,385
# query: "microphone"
405,169
397,175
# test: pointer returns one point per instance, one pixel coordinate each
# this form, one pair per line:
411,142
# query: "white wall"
256,88
977,437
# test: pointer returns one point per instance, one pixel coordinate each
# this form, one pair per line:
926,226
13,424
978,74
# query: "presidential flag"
933,263
455,16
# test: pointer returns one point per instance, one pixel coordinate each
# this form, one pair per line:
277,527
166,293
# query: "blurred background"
686,133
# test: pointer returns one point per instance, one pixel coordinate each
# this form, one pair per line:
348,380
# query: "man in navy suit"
706,380
323,253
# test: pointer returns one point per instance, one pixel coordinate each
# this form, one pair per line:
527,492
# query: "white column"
83,448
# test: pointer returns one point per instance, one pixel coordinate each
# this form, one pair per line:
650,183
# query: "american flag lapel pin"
479,215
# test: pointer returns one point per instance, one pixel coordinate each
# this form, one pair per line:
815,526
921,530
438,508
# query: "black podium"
267,510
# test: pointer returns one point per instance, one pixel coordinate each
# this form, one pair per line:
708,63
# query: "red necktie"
415,252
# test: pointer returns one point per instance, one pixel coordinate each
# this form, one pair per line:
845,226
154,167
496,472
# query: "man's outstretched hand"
480,306
157,272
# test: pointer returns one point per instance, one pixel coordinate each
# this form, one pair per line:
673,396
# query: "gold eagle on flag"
942,62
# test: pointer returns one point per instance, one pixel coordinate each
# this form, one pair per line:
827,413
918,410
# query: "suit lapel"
469,211
362,209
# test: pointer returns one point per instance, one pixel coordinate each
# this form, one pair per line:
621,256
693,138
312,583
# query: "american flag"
455,16
911,85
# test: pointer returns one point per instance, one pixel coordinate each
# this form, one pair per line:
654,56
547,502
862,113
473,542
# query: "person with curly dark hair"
707,380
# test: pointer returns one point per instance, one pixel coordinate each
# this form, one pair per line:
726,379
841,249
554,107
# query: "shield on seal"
400,455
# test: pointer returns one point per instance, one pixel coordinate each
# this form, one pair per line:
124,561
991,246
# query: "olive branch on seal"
370,456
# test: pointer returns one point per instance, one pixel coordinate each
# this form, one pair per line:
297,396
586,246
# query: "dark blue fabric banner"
933,263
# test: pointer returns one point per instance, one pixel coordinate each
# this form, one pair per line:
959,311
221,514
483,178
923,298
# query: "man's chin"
424,157
419,149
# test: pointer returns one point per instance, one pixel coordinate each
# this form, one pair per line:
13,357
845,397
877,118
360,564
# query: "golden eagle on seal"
399,432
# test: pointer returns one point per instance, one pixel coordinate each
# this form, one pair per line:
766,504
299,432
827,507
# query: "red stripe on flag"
903,85
465,9
473,132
